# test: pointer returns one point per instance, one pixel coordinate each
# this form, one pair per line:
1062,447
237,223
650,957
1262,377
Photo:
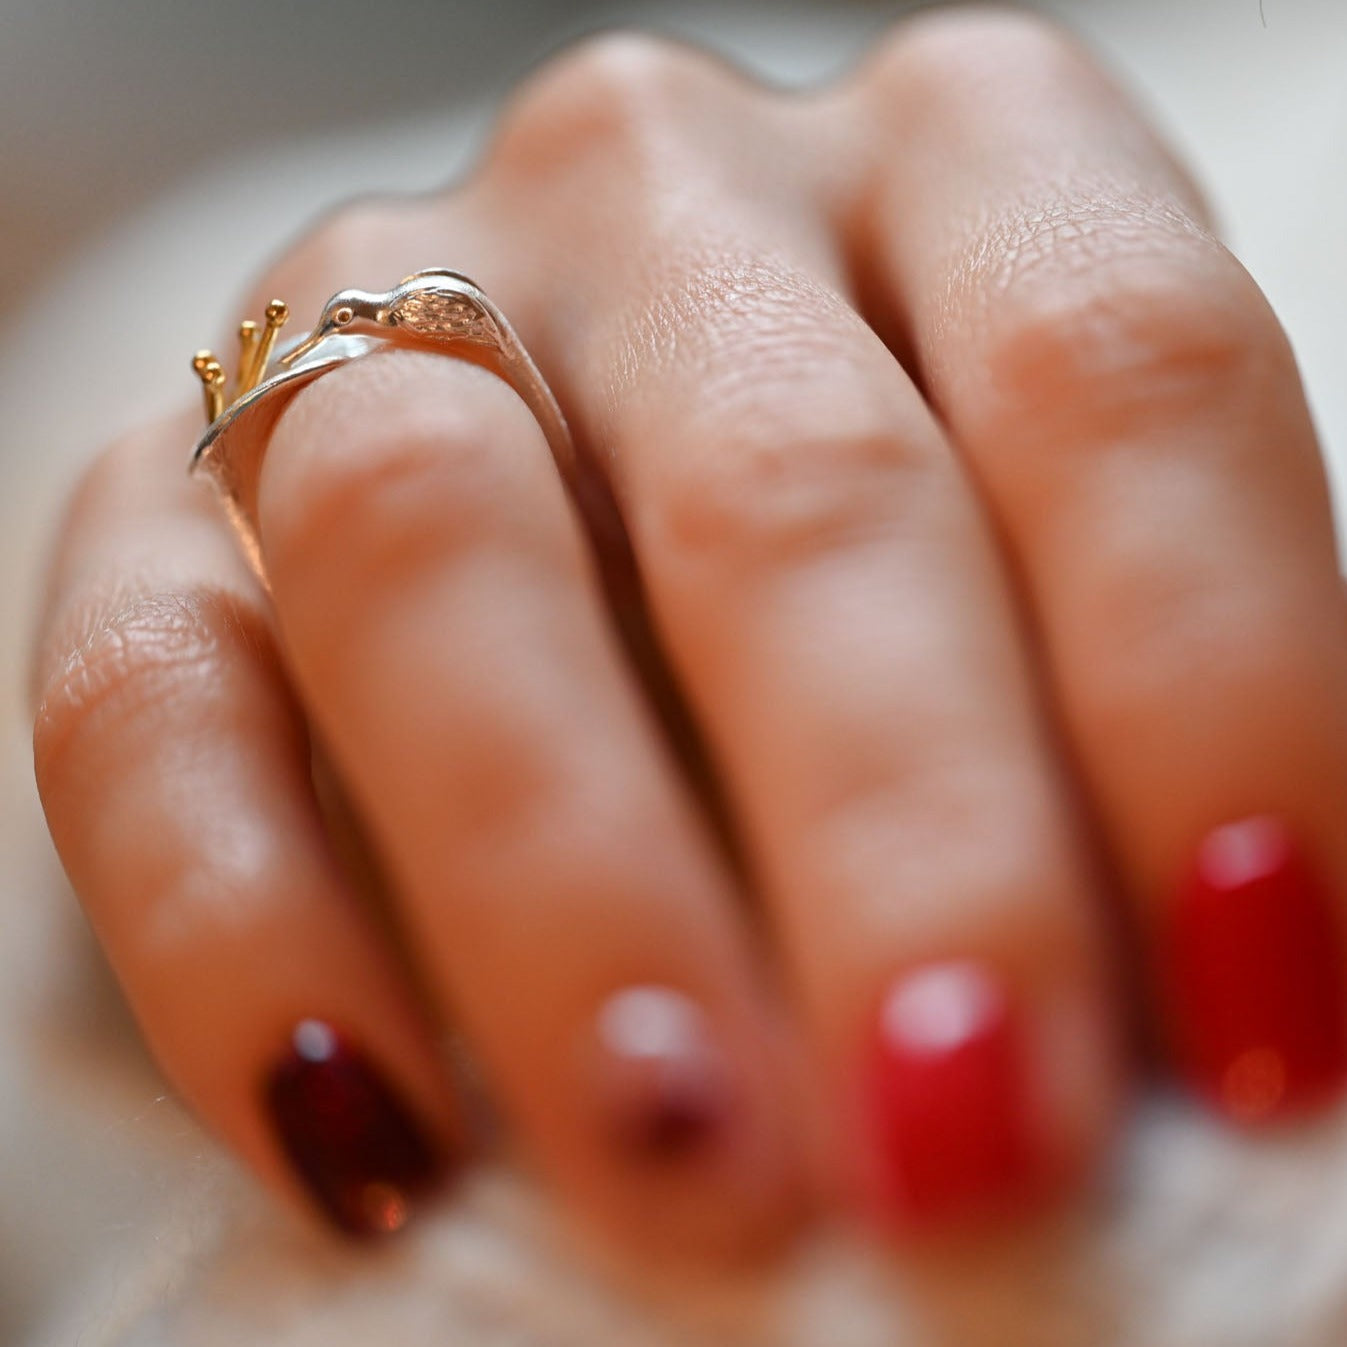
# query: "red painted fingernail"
1257,979
346,1133
950,1097
665,1085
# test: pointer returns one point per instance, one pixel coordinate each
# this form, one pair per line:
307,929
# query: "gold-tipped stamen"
250,340
211,373
277,313
216,391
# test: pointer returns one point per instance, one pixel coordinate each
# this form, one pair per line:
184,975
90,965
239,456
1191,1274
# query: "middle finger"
832,602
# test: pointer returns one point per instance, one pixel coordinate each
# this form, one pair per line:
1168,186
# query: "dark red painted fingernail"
950,1097
665,1086
1257,980
355,1145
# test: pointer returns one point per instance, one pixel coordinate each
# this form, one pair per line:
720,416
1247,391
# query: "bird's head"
344,309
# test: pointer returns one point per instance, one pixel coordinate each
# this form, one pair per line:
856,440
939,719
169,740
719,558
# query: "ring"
436,310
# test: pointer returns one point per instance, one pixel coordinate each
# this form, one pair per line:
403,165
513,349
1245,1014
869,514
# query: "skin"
982,523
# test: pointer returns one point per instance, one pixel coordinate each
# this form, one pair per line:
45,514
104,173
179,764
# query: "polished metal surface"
435,310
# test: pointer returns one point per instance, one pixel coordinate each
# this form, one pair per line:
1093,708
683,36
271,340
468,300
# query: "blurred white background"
153,153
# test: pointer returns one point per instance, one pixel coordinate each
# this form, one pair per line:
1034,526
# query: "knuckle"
1101,337
609,97
1005,859
1148,635
346,234
349,246
104,474
928,56
753,499
135,659
111,473
1164,656
1119,700
385,502
396,495
773,467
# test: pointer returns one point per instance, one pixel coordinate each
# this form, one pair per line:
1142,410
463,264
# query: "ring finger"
442,619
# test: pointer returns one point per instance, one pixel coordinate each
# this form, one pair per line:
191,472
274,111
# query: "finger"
1132,409
441,615
829,594
175,771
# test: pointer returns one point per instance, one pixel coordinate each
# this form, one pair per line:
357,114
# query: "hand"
979,515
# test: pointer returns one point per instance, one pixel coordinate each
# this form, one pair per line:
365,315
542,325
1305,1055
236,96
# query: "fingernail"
665,1085
1257,976
950,1097
346,1133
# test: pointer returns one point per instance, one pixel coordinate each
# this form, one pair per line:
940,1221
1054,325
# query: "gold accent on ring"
256,343
278,313
250,343
211,373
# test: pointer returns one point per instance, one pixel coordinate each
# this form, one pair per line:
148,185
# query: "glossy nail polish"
949,1097
1256,974
355,1145
664,1085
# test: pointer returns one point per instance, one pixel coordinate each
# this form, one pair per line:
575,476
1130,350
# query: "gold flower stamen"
211,373
277,314
257,341
250,342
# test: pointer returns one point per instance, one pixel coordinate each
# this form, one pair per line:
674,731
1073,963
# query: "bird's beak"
320,333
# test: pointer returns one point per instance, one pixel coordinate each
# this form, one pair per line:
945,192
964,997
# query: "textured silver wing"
428,311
